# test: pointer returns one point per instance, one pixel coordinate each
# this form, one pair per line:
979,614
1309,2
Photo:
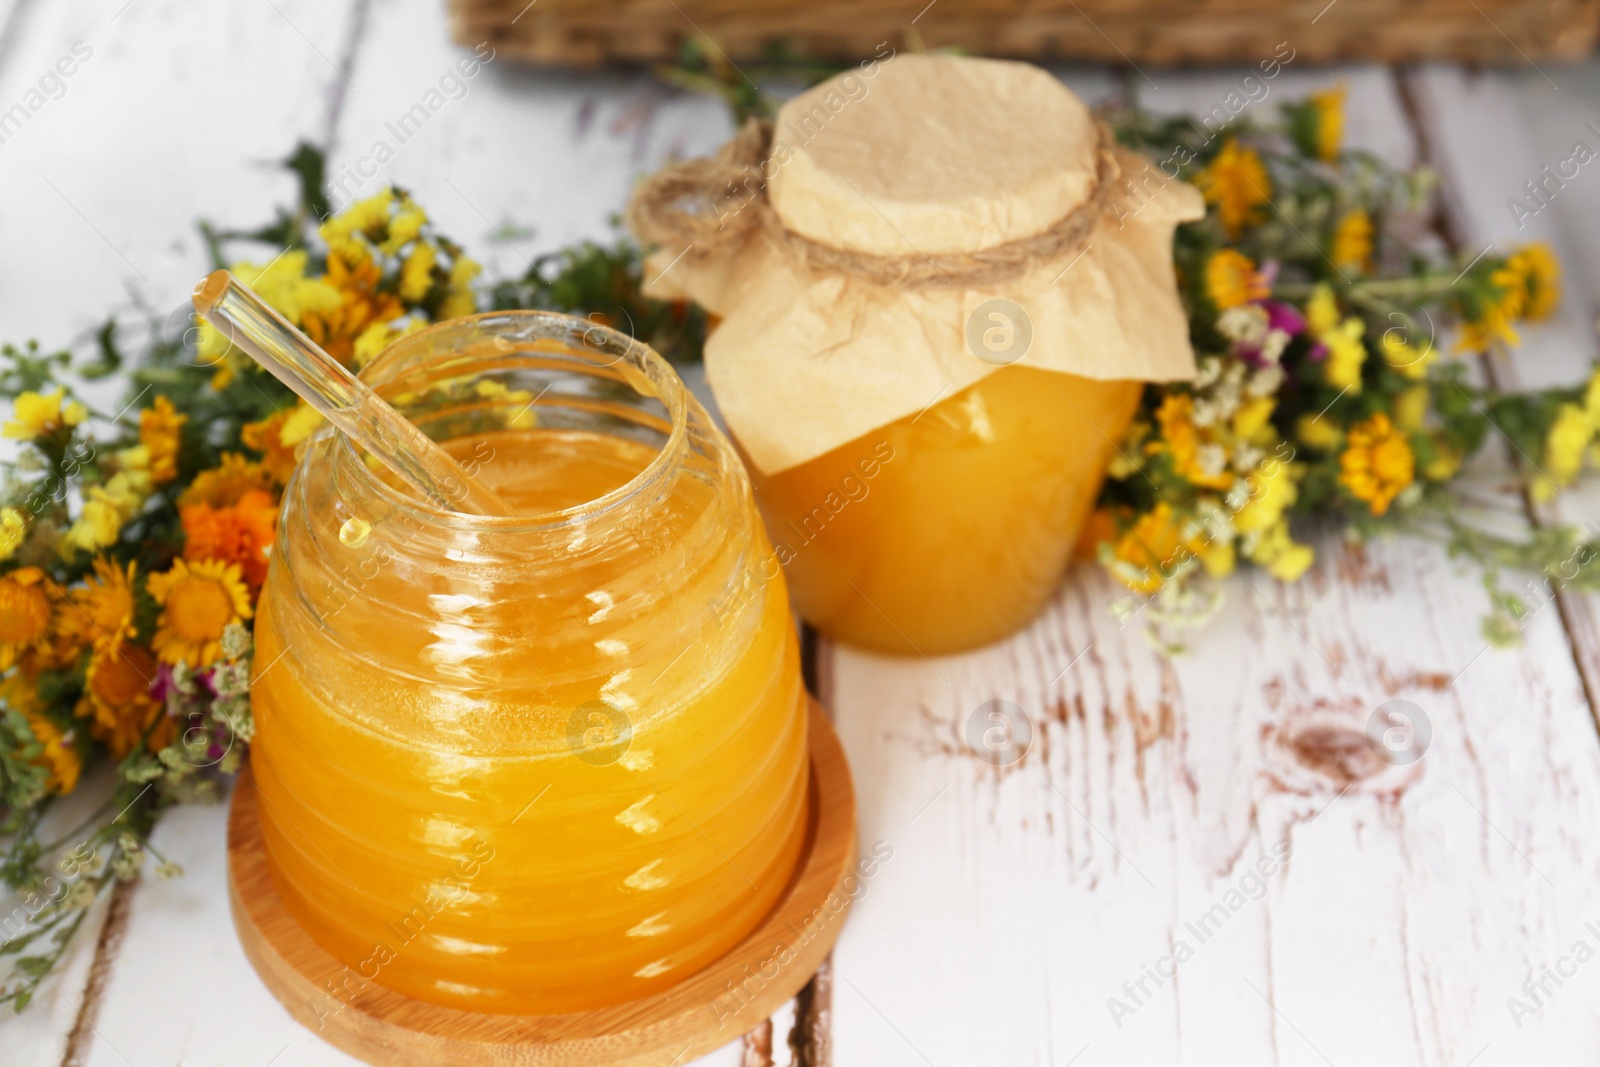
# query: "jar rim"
611,346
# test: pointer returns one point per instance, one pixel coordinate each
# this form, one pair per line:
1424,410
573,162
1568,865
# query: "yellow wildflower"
1322,310
1346,354
13,531
1219,558
1272,491
1346,351
416,273
1403,357
134,458
1319,433
404,228
108,509
1232,279
302,422
1328,106
1564,445
40,415
1411,407
1352,241
283,284
1250,421
118,703
1237,182
373,339
57,755
1377,463
159,427
1284,557
28,616
1496,312
459,299
1540,274
103,608
97,526
199,601
367,217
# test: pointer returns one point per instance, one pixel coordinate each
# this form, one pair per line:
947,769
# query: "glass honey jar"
540,763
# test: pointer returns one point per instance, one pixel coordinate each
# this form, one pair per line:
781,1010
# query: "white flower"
1213,459
1274,344
1227,399
1246,324
1218,523
1265,382
1210,370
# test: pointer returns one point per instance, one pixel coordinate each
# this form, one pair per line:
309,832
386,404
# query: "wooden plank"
1552,120
1414,901
1485,179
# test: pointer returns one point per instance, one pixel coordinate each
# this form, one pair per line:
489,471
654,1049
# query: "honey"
543,763
950,528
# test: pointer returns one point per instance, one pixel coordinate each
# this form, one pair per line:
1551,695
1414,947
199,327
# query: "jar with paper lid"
940,287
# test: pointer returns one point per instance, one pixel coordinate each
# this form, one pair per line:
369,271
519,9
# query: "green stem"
64,838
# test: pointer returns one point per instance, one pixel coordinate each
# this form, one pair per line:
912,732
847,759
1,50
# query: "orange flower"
240,533
28,632
1153,550
1377,464
118,702
228,482
1237,182
266,437
159,426
102,611
198,603
1232,279
356,277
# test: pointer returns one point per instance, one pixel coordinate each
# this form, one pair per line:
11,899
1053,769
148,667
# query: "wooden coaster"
701,1013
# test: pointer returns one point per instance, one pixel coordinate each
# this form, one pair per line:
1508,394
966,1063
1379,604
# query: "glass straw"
347,402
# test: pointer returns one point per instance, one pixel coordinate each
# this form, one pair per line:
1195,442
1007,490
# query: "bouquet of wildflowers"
133,547
1316,291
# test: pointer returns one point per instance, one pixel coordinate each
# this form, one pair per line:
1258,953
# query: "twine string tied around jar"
713,204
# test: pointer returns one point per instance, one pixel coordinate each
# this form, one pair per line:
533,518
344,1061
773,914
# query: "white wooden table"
1018,901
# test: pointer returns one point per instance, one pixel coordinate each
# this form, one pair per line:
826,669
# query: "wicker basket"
1163,32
